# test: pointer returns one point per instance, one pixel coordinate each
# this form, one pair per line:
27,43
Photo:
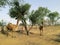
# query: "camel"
12,27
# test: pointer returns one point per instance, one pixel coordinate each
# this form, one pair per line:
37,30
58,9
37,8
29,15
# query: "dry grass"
51,36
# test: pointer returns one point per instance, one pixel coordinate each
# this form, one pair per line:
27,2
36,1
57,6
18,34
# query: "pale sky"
53,5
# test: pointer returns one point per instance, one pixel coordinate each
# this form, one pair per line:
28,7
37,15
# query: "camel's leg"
13,36
12,33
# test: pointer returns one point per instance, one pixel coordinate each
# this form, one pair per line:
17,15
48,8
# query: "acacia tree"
19,11
43,12
53,16
37,16
25,10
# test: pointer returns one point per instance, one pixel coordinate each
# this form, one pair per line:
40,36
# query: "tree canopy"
38,15
53,16
18,11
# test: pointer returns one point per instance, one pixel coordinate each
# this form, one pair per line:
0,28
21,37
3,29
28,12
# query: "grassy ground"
51,36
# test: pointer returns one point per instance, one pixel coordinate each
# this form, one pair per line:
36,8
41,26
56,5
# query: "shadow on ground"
57,39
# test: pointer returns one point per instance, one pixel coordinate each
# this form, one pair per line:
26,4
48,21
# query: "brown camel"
12,27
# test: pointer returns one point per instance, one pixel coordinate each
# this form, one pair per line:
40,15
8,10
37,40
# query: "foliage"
2,23
3,2
53,16
38,15
18,11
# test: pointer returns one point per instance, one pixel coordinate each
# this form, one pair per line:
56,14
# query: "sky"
53,5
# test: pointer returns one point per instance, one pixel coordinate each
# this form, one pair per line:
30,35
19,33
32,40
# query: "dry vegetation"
51,36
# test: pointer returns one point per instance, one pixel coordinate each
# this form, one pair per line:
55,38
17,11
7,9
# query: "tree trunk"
52,22
26,30
17,22
25,26
31,27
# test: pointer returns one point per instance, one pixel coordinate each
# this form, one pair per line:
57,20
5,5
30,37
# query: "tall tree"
19,11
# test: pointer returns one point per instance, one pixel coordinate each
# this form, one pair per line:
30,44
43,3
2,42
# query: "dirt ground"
51,36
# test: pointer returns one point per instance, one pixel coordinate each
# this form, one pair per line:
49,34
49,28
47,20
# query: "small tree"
2,23
53,16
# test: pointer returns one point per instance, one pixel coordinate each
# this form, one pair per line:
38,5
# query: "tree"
37,16
43,12
53,16
3,2
19,11
2,23
57,20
